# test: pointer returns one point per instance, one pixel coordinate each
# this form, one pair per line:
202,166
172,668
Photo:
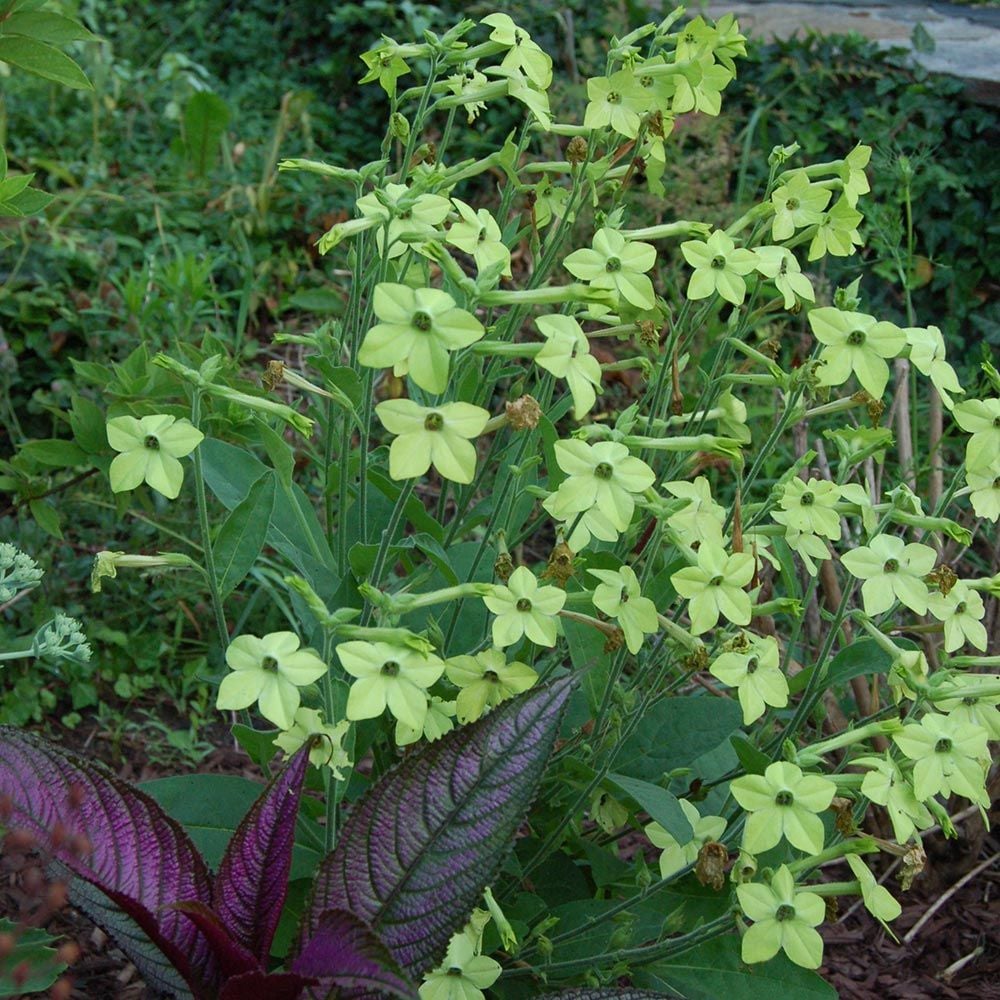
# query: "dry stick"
901,408
934,434
945,896
948,974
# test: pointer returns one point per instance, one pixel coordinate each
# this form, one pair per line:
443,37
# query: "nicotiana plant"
455,498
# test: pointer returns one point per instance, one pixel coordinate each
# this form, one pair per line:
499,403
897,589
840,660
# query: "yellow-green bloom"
810,507
886,785
432,435
150,448
837,234
617,264
785,919
950,757
718,267
440,719
619,596
927,355
984,487
715,587
699,86
523,54
962,611
523,608
855,342
702,519
478,235
779,264
783,802
566,354
464,973
486,679
878,900
607,812
384,65
981,419
390,676
756,674
675,856
969,703
419,327
891,570
327,751
414,224
852,173
268,670
797,203
618,101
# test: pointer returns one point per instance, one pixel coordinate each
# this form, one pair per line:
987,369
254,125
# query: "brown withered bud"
576,150
943,577
832,909
655,124
560,566
844,811
273,374
698,660
503,567
770,347
523,413
710,869
649,336
914,861
614,641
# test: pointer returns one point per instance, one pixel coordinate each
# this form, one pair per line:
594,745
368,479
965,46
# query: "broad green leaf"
752,760
54,452
243,534
278,451
42,60
87,421
34,952
714,969
663,808
205,119
210,807
46,27
586,650
865,656
258,743
46,517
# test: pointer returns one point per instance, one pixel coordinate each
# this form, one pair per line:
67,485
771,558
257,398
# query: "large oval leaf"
418,849
118,840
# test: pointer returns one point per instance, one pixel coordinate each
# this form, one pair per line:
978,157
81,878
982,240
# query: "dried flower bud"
698,660
560,566
710,868
576,150
943,577
649,336
844,811
273,374
832,909
615,640
914,861
503,567
524,413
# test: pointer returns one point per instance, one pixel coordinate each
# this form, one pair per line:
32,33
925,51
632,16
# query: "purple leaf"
120,841
418,849
605,993
233,958
345,952
259,985
252,881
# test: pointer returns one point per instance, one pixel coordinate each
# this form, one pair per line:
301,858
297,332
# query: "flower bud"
524,413
576,150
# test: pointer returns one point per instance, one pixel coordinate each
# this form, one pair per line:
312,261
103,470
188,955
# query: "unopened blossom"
718,267
891,571
855,342
150,448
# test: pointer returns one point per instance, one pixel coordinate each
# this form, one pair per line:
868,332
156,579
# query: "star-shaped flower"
779,264
837,233
327,751
715,587
855,342
676,856
411,220
618,101
566,355
150,448
478,235
783,802
699,86
797,203
974,701
523,54
810,507
886,785
950,757
981,419
439,719
486,679
756,674
464,974
523,608
270,671
432,435
419,327
702,519
784,919
984,487
852,173
619,596
962,611
891,570
390,676
616,264
718,267
927,355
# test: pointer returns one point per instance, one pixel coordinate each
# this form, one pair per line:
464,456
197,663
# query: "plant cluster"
445,520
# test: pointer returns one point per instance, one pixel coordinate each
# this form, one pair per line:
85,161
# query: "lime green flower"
927,356
785,919
269,671
619,596
384,65
756,674
700,85
809,548
419,327
602,475
486,679
962,611
694,40
523,54
779,264
852,173
974,701
855,342
950,757
388,675
418,221
432,435
479,236
607,812
676,856
984,486
440,719
566,355
783,802
891,570
981,419
797,203
715,587
702,519
326,751
837,234
878,900
464,974
810,507
618,101
616,264
470,86
592,524
523,608
886,785
521,88
150,448
718,267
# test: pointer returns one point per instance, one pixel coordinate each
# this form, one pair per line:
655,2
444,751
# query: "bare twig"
945,896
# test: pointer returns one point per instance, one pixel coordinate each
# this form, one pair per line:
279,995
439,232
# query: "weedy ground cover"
610,557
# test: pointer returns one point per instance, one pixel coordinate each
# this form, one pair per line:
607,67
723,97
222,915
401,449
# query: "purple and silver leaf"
604,993
119,840
259,985
345,953
232,957
418,849
252,880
